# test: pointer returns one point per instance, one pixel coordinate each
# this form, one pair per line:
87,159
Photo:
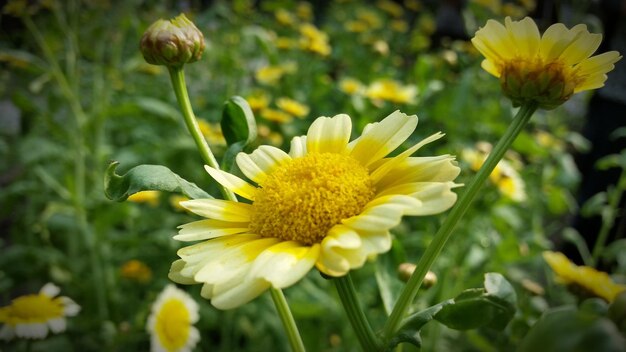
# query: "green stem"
445,231
608,218
177,75
287,319
350,302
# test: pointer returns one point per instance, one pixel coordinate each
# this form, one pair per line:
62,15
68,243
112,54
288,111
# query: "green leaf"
492,306
567,329
147,178
239,128
389,286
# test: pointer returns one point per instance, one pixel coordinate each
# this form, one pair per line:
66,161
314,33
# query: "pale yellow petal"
298,147
232,182
378,217
525,35
420,169
598,64
238,295
219,209
494,42
491,67
285,263
329,134
176,276
581,48
384,137
260,162
209,228
554,40
434,197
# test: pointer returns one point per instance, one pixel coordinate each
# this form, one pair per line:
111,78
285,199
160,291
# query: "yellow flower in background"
171,320
212,132
504,176
292,107
276,115
390,7
380,46
148,197
285,17
351,86
258,101
285,43
32,316
549,141
392,91
175,200
414,5
399,26
356,26
314,40
328,203
369,17
269,75
304,10
596,283
546,69
272,137
136,270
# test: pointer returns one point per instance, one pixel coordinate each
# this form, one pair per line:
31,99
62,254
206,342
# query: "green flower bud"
172,43
405,270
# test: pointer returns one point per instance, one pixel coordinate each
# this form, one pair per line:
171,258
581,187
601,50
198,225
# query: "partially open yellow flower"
31,316
148,197
328,203
171,320
547,69
596,283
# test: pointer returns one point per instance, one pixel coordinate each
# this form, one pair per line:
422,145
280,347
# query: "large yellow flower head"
546,69
596,283
31,316
329,203
171,320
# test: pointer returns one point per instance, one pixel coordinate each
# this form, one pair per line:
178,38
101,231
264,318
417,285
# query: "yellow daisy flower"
292,107
171,320
351,86
328,203
31,316
149,197
314,40
269,75
285,17
258,101
276,115
136,270
544,69
212,132
594,282
392,91
390,7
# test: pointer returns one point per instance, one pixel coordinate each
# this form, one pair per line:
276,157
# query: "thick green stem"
445,231
177,75
358,320
287,319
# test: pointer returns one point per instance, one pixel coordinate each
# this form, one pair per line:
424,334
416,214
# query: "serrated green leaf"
147,178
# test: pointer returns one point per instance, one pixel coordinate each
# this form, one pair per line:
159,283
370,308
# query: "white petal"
57,325
218,209
232,182
239,294
50,290
261,162
7,332
70,308
298,147
207,229
285,263
329,135
32,330
176,275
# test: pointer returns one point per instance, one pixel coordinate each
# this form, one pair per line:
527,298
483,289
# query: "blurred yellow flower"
285,17
171,320
549,141
304,10
399,26
329,203
504,176
149,197
292,107
351,86
258,101
390,7
414,5
32,316
136,270
356,26
269,75
314,40
275,115
369,17
212,132
392,91
380,46
175,200
547,69
272,137
593,282
285,43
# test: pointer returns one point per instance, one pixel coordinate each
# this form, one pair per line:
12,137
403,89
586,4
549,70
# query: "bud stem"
177,75
445,231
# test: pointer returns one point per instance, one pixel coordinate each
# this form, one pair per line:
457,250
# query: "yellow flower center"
173,324
304,198
34,309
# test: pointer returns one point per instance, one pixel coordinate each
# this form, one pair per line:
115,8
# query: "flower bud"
405,270
173,42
